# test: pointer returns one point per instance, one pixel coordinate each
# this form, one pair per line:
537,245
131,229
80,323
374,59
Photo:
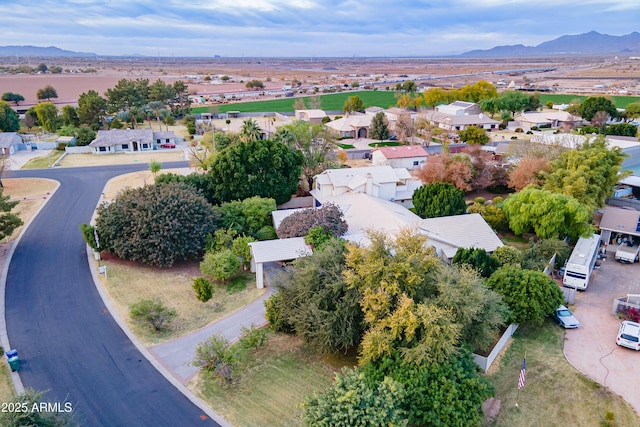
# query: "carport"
274,251
617,223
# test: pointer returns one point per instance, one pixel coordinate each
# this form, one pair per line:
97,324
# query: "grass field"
384,99
274,381
555,394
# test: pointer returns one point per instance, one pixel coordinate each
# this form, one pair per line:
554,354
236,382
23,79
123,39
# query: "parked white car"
629,335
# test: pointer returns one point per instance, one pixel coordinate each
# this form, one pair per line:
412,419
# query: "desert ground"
581,74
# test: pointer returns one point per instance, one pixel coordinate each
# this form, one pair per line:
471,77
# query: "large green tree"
379,127
246,216
69,116
530,295
354,402
127,94
474,135
12,97
48,116
91,108
594,104
257,168
547,214
353,104
450,393
316,301
156,224
632,111
9,120
47,93
477,258
439,199
588,173
314,142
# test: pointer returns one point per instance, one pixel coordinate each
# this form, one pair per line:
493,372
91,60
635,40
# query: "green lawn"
555,394
274,382
384,144
334,101
44,161
384,99
560,98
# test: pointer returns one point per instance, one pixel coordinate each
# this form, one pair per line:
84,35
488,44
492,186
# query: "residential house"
448,233
355,125
619,223
311,116
9,142
130,140
402,156
456,123
383,182
459,108
547,119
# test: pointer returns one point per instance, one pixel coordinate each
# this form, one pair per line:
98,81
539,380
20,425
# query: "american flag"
522,372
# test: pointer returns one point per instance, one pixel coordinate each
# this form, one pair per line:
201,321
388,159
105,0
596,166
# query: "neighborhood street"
67,340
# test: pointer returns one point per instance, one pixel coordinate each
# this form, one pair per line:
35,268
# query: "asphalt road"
67,340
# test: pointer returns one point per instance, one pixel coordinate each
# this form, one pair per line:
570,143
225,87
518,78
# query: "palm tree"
250,131
156,106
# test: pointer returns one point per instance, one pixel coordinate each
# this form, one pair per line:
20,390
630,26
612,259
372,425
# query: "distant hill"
592,43
50,51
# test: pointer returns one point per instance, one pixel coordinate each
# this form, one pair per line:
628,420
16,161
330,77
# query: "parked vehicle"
627,252
629,335
565,318
167,145
577,272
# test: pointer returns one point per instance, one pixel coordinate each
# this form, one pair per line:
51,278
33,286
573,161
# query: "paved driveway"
592,348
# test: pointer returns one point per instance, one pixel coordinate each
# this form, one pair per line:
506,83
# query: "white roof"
448,233
352,177
351,122
281,214
546,117
622,141
279,250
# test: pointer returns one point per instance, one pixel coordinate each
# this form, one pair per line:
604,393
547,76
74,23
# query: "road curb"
4,336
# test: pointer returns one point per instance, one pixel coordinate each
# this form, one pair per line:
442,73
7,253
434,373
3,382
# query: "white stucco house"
383,182
130,140
311,116
547,119
403,156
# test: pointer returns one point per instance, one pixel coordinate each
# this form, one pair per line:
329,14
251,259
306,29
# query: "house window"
158,141
145,145
415,163
125,146
102,148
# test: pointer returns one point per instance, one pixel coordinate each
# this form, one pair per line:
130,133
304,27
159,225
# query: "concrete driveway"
592,348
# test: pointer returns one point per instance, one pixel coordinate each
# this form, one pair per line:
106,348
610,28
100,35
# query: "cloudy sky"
304,27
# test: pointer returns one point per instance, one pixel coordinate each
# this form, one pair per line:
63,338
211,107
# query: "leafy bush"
539,253
519,130
152,313
273,306
508,255
215,355
479,200
246,216
253,337
298,224
439,199
241,249
477,258
203,289
88,234
266,233
156,225
220,265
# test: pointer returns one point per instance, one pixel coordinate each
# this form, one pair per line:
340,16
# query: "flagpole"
518,395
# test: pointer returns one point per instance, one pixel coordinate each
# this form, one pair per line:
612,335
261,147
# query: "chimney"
368,189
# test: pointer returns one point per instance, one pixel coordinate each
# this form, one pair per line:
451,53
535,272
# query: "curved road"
65,336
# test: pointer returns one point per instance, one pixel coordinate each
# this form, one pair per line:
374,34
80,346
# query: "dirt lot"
75,160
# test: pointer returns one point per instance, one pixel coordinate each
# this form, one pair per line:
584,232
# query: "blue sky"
304,27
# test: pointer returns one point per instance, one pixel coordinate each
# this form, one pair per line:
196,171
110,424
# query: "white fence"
78,150
485,362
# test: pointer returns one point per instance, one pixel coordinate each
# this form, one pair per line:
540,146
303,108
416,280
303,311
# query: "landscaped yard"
44,161
272,386
554,393
128,283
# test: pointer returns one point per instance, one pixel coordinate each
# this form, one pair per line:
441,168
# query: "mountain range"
592,43
50,51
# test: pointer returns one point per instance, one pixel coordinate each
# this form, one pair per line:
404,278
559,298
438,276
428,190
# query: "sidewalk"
176,355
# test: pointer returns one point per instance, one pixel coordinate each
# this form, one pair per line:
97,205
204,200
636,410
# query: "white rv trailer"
580,265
